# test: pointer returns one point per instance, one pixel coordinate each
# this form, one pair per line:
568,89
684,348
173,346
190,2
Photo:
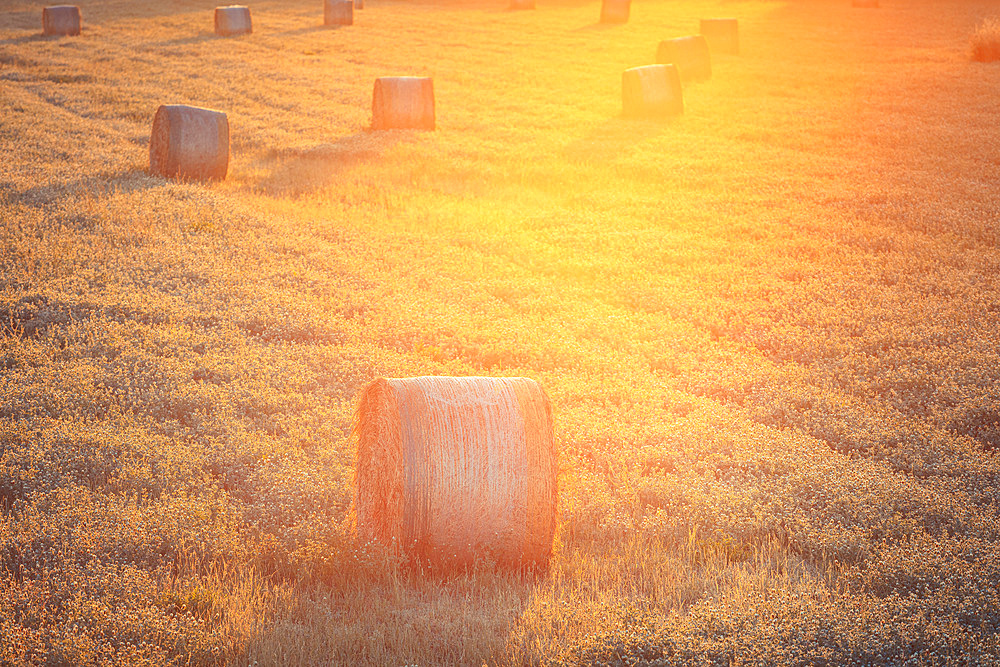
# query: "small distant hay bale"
452,469
189,142
338,12
865,4
522,4
61,20
723,35
615,11
232,20
985,41
689,54
403,102
652,90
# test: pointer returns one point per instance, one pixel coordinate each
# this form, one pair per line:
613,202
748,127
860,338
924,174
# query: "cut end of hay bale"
61,20
689,55
652,90
722,35
338,12
615,11
189,142
232,20
455,469
985,41
403,102
522,4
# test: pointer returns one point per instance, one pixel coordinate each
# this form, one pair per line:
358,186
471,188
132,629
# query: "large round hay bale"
615,11
690,56
232,20
338,12
723,35
652,90
189,142
61,20
451,469
865,4
522,4
403,102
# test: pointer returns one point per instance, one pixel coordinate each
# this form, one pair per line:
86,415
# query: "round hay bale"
338,12
403,102
865,4
451,469
61,20
232,20
188,142
615,11
522,4
723,35
689,54
652,90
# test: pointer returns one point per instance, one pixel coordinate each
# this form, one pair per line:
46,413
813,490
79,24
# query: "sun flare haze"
500,332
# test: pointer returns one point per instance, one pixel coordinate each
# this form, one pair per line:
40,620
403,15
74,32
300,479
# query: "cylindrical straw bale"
865,4
232,20
338,12
189,142
451,469
723,35
653,90
615,11
403,102
690,56
61,20
522,4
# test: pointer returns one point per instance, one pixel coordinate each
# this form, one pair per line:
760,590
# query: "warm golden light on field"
763,315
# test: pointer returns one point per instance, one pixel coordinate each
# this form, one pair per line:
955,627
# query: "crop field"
769,329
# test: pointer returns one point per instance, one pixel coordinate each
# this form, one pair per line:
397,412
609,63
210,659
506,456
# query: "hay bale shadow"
297,171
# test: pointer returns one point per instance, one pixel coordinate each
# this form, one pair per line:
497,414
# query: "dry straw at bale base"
338,12
189,142
455,469
689,54
61,20
652,90
615,11
232,20
403,102
723,35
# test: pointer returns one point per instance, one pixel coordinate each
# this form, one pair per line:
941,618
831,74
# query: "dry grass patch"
986,41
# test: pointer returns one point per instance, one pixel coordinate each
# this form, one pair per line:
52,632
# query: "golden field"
770,330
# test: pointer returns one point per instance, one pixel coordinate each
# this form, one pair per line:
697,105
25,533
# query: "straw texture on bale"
61,20
865,4
522,4
689,55
652,90
451,469
615,11
338,12
359,4
189,142
403,102
232,20
723,35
